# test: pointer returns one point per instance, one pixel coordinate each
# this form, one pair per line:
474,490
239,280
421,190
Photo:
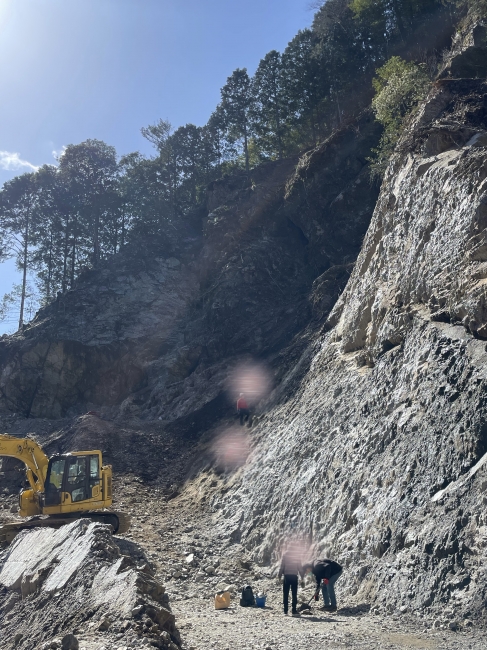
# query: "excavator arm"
31,454
78,486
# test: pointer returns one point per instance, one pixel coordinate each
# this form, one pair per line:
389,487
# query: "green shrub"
399,87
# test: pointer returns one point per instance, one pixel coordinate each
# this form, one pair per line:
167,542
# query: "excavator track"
119,521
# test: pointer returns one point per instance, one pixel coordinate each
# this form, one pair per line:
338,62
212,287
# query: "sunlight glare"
5,6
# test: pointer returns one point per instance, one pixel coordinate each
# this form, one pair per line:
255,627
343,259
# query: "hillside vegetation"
61,220
329,261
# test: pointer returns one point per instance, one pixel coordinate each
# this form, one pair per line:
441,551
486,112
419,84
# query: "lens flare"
296,548
231,449
250,379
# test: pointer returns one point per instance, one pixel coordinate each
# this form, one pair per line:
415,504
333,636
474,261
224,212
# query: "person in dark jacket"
291,567
326,573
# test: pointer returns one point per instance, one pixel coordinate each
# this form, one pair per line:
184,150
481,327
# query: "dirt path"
238,628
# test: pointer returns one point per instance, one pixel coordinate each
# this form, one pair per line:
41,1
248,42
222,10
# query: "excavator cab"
65,487
75,482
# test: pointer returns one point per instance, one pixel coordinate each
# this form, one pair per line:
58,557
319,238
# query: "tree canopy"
62,219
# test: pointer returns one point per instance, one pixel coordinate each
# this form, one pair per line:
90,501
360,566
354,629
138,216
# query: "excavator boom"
62,488
31,454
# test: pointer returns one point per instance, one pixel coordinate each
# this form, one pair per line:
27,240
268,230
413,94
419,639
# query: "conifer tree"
223,148
269,110
186,146
91,172
209,153
144,195
305,82
18,224
49,237
236,106
157,134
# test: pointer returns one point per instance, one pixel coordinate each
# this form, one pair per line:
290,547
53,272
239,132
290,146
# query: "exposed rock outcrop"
157,336
377,455
80,578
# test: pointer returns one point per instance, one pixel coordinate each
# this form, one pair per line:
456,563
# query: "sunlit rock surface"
375,455
79,578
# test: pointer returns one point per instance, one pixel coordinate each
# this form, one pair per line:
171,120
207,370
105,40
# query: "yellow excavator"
64,487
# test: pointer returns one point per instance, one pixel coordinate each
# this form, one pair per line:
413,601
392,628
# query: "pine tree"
18,224
270,110
305,83
49,236
186,146
91,172
223,148
146,197
236,106
157,134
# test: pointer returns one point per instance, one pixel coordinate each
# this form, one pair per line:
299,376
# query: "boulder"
71,575
69,642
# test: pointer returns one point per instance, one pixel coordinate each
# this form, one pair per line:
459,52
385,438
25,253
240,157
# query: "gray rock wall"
376,455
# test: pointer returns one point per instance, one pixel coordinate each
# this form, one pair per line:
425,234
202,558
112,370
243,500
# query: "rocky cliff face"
371,447
157,335
377,456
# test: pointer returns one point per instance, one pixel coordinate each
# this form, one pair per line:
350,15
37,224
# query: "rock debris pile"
79,581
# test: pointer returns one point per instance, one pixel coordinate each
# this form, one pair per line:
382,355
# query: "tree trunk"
122,231
24,275
96,239
65,258
246,150
73,262
49,272
279,137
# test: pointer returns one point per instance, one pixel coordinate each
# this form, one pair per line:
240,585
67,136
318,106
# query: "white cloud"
12,162
56,154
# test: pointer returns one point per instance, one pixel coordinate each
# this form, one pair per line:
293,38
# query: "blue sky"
77,69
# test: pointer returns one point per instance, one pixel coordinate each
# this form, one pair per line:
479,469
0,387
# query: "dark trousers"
290,583
243,414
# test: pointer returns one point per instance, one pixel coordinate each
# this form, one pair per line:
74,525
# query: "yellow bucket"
222,600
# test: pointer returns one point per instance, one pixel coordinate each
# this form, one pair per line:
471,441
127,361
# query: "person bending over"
326,573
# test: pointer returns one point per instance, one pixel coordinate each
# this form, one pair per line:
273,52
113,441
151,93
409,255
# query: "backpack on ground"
247,599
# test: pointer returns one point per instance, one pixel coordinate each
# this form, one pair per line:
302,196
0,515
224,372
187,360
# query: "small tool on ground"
305,606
